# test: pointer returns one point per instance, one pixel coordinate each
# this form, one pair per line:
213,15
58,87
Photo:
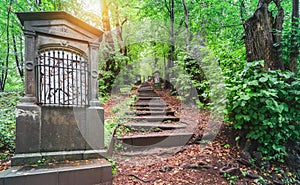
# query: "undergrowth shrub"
267,106
8,102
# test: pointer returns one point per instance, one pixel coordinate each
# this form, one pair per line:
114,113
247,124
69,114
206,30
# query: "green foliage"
286,42
104,86
267,106
109,126
231,178
191,76
114,165
117,118
8,103
41,162
261,180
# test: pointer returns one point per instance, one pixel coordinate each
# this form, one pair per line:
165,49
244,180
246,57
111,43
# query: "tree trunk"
119,29
242,12
105,16
172,48
38,2
4,66
294,54
112,40
186,15
262,42
107,38
170,64
59,6
18,63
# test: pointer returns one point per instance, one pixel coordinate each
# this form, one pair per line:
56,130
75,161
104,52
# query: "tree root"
143,180
231,170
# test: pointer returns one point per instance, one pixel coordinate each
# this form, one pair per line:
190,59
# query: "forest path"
194,161
190,163
152,124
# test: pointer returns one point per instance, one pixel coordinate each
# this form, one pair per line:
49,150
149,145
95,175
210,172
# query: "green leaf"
253,83
263,79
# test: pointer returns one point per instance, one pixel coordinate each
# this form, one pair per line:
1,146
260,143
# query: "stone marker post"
157,80
138,80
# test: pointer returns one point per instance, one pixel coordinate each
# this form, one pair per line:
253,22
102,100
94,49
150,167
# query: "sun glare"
93,6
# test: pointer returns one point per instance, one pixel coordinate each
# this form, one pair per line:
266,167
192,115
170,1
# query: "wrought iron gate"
62,77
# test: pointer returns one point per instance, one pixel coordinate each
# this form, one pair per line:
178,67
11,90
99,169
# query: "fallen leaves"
192,164
5,165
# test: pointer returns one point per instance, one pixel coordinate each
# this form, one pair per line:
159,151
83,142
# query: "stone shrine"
60,117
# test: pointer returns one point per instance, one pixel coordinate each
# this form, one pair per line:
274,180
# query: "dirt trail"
195,163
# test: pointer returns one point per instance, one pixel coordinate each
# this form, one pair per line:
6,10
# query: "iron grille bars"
62,78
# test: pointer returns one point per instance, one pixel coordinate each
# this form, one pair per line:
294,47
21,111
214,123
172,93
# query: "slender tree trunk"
242,12
105,16
38,2
277,61
172,49
170,8
262,42
294,54
4,70
119,25
21,54
18,63
186,15
118,28
112,41
107,39
170,64
59,6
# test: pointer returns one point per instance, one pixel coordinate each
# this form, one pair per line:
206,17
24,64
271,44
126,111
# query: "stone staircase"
154,123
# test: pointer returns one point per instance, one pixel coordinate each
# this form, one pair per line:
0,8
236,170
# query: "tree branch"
168,8
180,25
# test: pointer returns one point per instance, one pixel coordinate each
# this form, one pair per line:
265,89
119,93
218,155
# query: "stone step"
144,103
154,118
149,98
85,172
155,100
148,95
145,89
137,108
149,113
145,85
157,151
149,141
160,125
150,104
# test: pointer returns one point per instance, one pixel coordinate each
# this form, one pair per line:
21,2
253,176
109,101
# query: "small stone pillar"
157,80
60,117
138,80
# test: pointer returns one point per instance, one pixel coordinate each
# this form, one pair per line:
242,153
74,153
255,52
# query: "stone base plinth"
33,158
83,172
